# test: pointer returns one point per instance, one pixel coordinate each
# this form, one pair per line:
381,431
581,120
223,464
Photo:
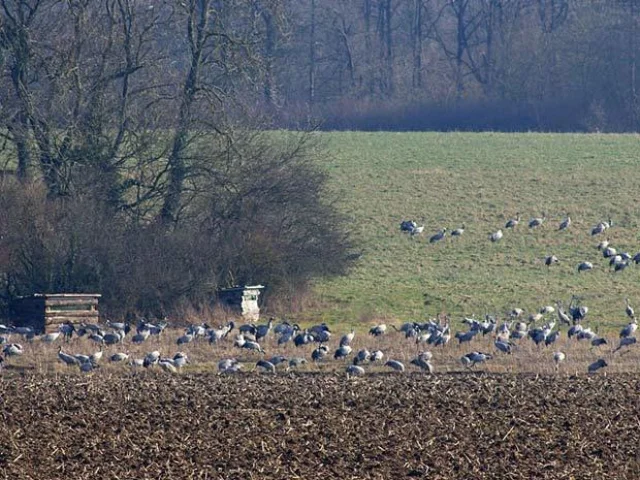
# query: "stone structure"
242,300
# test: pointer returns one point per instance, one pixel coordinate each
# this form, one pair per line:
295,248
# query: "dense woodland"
460,64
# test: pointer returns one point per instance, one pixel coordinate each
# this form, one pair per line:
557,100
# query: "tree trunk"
312,58
416,34
196,29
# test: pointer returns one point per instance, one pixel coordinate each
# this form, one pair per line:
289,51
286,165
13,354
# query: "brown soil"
308,426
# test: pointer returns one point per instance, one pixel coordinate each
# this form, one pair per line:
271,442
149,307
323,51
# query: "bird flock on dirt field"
618,261
506,338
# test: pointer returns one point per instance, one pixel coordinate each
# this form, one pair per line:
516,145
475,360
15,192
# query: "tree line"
562,65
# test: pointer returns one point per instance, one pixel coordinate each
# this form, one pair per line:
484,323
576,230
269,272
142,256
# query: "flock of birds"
252,338
618,261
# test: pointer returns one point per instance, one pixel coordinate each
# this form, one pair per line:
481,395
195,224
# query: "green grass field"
481,180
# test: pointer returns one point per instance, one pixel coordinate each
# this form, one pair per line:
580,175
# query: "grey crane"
376,356
551,338
629,329
347,338
97,338
322,336
506,347
263,330
558,358
636,258
417,230
465,336
574,330
124,326
488,326
136,362
625,342
114,337
296,362
13,349
566,223
551,260
287,335
96,356
24,331
67,330
601,227
538,335
319,353
512,222
342,352
597,365
408,226
474,358
141,336
303,338
547,309
578,312
496,236
323,327
253,346
217,334
586,334
598,341
537,221
562,316
410,329
118,357
248,328
609,252
585,266
422,363
618,267
458,231
395,364
266,366
151,358
616,259
167,365
362,356
534,317
629,310
88,367
441,338
355,370
278,359
66,358
283,327
378,330
180,359
438,236
229,365
186,338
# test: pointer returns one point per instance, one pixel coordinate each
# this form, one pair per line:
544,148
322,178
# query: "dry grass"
527,358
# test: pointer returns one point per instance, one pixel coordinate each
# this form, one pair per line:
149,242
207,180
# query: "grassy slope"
446,179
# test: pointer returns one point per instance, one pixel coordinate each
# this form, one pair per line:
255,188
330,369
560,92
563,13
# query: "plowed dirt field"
319,426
